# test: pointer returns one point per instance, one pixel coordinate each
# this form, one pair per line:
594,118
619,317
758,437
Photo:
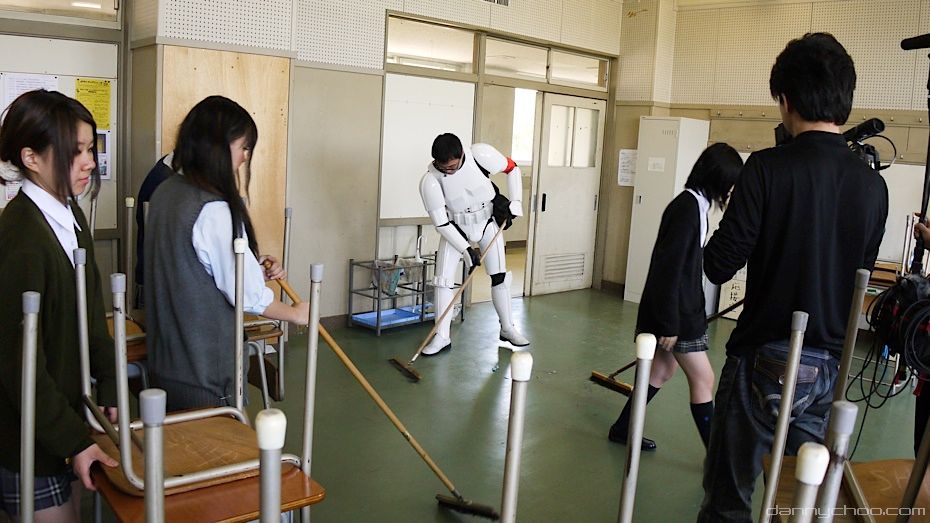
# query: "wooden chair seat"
190,447
883,483
236,501
136,350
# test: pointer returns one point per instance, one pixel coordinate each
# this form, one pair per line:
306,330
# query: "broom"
609,380
456,501
407,368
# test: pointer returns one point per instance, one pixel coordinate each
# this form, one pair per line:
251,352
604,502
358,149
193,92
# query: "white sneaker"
514,337
436,345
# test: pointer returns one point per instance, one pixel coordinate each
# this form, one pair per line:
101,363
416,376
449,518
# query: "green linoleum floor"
570,472
458,412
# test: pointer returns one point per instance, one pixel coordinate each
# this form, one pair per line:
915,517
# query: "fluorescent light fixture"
86,5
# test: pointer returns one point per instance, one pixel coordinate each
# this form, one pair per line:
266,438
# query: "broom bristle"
405,369
468,507
605,381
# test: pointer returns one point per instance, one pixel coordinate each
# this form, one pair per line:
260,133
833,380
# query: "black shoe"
617,436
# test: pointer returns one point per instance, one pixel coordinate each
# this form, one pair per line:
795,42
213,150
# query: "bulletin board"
83,70
416,110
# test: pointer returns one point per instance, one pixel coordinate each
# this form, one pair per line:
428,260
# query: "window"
573,136
90,9
524,122
430,46
578,70
515,60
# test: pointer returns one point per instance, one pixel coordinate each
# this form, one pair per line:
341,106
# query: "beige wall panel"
260,85
539,19
637,50
665,51
697,114
333,187
922,67
916,143
695,56
749,40
592,24
744,135
143,145
620,199
871,32
497,118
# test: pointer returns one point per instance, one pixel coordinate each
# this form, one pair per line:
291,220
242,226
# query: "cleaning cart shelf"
398,290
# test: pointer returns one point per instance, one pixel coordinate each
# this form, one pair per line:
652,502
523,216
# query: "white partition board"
416,110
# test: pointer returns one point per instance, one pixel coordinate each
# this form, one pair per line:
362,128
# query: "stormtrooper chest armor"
468,189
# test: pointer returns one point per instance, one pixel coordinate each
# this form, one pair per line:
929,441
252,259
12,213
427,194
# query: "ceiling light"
86,5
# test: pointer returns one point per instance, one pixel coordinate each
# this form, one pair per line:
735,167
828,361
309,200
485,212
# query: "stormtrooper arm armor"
491,160
435,203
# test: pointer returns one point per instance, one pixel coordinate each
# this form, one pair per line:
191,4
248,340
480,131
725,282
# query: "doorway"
567,184
557,142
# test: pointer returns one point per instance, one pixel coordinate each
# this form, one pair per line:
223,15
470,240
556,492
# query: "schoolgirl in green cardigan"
47,142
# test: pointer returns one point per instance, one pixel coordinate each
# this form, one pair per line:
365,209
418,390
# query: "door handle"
543,203
595,203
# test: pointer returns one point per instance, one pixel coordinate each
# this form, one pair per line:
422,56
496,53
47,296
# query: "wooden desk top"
237,501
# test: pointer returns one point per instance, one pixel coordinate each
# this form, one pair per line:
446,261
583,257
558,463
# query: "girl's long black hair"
202,153
715,173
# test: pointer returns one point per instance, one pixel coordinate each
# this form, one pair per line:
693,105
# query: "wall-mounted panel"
922,67
471,12
592,24
260,85
749,40
253,23
871,32
540,19
416,110
343,33
637,50
695,56
665,51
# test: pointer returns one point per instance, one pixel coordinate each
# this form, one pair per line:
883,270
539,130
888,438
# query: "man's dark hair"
715,173
817,77
447,146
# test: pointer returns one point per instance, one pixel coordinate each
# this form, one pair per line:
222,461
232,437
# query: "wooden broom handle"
286,287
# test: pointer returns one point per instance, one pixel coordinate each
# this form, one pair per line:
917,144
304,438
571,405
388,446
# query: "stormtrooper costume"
460,206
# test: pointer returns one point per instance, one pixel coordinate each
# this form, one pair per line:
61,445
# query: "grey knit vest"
190,324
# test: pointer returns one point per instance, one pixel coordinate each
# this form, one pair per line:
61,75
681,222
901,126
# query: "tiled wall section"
725,55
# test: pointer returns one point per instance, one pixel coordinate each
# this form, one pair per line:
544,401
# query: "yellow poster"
95,95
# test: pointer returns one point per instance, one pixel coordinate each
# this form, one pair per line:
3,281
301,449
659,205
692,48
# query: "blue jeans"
746,410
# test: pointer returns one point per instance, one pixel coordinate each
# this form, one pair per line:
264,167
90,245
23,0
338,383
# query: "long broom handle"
374,395
710,318
455,297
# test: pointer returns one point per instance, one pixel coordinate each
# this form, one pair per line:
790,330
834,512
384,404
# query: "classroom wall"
721,63
334,157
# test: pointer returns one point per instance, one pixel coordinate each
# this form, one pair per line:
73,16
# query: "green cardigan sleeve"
60,431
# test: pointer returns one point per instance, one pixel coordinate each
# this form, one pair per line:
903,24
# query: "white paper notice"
626,167
15,84
656,164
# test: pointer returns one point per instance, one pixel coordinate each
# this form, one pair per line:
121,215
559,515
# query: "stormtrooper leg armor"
446,263
496,266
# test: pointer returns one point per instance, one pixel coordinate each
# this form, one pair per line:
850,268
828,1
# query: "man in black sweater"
805,216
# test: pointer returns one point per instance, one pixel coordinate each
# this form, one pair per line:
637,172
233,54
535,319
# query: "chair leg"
258,350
